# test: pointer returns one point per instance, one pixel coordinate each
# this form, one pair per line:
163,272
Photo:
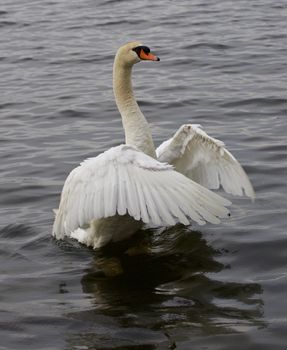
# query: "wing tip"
251,195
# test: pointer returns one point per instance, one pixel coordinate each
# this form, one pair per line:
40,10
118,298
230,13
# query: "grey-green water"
223,65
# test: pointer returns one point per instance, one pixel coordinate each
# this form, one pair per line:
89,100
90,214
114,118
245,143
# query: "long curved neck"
136,127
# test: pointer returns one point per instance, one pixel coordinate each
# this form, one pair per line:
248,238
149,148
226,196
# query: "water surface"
223,65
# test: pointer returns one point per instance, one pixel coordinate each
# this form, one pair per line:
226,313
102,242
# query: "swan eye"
144,53
138,49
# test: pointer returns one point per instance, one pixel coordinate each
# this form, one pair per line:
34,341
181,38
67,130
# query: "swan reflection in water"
167,281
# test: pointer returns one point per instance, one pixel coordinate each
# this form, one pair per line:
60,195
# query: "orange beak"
147,56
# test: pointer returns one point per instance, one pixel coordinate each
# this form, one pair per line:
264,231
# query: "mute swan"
109,197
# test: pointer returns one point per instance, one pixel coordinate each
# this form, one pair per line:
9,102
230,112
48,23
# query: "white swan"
109,197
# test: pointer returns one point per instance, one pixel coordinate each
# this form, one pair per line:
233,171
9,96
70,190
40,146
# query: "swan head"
134,52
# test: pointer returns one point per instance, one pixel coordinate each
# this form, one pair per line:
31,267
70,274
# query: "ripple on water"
222,66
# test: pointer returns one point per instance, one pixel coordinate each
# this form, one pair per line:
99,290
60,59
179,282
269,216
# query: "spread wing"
205,160
123,181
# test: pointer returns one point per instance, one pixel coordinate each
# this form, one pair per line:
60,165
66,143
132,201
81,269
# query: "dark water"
223,65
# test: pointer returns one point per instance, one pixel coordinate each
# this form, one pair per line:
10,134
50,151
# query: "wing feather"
150,203
143,213
121,206
124,180
201,208
132,195
205,160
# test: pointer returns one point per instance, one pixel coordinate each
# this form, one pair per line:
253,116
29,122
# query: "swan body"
109,197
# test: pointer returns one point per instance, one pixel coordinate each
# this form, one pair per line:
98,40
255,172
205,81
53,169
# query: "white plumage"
109,197
205,160
124,180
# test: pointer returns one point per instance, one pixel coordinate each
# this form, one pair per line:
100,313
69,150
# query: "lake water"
223,65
